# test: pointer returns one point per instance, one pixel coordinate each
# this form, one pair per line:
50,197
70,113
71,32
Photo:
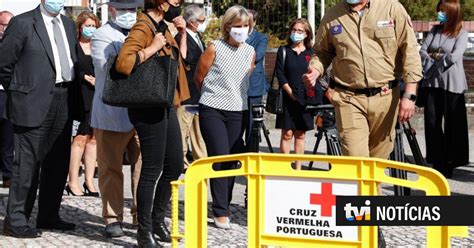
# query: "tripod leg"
266,133
398,154
319,137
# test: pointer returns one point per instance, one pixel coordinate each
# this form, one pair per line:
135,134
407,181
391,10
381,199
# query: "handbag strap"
274,69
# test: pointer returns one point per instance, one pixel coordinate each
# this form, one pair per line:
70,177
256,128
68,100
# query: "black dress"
84,66
294,115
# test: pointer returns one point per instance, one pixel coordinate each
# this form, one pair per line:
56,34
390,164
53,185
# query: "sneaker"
114,230
222,225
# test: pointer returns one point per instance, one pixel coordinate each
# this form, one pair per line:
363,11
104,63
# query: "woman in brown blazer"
157,128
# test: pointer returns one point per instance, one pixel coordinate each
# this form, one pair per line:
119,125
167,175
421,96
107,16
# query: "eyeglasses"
201,20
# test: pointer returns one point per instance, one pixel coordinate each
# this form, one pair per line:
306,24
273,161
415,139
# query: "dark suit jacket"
192,58
27,67
258,84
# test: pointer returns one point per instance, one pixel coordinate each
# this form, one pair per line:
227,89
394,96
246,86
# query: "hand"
159,41
90,79
290,94
329,94
310,77
180,24
406,109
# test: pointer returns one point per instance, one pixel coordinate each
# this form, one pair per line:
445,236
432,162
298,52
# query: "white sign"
304,207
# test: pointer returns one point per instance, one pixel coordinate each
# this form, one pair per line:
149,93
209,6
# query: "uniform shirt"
226,84
364,48
48,22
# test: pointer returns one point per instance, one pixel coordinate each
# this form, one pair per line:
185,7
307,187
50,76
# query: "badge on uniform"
385,24
336,29
385,90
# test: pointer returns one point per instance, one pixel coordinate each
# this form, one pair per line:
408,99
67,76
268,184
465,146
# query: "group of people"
370,44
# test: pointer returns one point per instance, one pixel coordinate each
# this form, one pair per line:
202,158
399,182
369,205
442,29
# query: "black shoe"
162,232
57,224
114,230
146,240
87,192
69,191
21,231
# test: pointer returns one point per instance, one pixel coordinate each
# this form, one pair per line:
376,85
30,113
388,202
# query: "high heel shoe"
146,240
87,192
69,191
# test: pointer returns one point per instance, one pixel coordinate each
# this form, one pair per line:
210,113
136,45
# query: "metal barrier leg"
175,235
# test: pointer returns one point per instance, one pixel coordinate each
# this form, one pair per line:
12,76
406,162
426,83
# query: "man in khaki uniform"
364,40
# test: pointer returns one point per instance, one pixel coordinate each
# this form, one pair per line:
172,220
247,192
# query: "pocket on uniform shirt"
387,39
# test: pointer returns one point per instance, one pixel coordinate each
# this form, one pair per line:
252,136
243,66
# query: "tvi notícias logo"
354,213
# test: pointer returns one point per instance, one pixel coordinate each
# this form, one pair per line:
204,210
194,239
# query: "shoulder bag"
151,84
274,102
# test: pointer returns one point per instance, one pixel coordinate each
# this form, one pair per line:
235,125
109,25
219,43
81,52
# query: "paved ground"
86,213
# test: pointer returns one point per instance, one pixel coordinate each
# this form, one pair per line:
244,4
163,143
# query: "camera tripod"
258,126
326,126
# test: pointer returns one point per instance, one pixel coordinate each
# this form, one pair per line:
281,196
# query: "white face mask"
239,34
201,27
126,19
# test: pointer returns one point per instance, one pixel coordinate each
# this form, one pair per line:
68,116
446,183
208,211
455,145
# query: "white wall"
18,6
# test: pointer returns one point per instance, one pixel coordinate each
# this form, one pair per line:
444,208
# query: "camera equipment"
257,126
325,120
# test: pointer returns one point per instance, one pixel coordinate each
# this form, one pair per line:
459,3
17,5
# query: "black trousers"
222,132
162,154
446,132
6,148
41,153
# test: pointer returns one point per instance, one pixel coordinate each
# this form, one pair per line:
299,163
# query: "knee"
80,141
92,141
287,135
300,135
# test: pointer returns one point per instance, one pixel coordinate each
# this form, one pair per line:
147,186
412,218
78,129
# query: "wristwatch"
411,97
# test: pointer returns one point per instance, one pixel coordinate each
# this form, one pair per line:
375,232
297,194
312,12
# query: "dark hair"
307,29
153,4
83,16
453,24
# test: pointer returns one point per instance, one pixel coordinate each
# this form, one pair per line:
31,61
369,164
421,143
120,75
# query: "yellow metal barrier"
368,173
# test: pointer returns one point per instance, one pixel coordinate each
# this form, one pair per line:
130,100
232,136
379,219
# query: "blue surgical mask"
442,18
126,19
353,1
54,6
296,37
87,32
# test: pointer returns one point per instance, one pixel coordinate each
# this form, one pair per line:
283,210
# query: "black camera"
257,112
325,111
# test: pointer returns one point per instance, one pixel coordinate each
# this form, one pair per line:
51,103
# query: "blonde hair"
234,13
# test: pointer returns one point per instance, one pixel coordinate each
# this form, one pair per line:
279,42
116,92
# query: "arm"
458,50
425,46
261,49
10,49
205,62
182,39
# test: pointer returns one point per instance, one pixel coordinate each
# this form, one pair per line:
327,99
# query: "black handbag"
274,103
151,84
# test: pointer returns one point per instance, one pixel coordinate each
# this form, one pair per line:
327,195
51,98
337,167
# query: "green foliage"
425,10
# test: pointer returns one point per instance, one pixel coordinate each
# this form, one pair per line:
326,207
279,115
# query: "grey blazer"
448,72
106,41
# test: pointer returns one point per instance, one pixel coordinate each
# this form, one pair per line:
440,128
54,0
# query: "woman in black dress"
295,120
84,143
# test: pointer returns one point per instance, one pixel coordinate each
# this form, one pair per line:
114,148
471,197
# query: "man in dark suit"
36,70
6,128
191,48
258,84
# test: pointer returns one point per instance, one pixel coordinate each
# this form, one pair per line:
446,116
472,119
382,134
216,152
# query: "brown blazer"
141,37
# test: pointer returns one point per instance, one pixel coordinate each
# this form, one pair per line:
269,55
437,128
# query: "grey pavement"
86,212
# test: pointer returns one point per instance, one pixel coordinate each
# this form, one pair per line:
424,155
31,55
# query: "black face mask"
172,12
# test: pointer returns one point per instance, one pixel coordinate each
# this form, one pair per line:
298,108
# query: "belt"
368,91
63,84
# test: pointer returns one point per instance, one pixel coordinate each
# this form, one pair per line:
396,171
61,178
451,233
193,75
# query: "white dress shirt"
48,22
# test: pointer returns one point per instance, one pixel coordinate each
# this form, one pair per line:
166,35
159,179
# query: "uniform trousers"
446,131
47,147
366,124
110,149
189,124
6,140
160,140
222,131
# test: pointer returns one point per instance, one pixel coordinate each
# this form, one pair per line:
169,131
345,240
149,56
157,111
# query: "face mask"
87,32
201,27
353,1
53,6
172,12
126,19
296,37
239,34
442,17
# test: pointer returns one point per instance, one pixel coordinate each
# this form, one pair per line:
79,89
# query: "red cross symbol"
326,199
